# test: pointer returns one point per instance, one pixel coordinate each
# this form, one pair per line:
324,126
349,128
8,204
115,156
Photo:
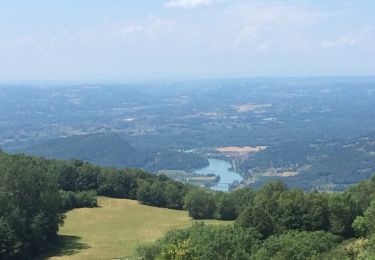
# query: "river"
221,167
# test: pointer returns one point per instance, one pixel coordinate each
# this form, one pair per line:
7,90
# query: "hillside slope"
116,228
113,150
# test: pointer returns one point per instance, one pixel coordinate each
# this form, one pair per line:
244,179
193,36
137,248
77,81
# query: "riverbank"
218,175
225,170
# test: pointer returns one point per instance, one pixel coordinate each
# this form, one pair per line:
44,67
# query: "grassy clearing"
115,229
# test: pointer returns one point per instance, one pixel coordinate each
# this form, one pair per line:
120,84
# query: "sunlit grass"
116,228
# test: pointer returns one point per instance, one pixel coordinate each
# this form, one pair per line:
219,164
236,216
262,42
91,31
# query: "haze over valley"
313,133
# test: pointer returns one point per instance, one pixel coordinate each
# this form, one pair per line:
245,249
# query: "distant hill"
113,150
320,165
106,150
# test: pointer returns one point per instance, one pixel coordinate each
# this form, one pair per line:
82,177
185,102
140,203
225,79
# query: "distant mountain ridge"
102,149
111,149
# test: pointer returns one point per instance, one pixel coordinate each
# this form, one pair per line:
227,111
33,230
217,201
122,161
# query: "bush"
203,242
161,192
80,199
200,203
297,245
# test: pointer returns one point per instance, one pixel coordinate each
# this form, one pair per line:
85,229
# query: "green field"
115,229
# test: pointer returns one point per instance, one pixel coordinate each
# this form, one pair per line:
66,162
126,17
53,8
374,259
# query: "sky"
185,39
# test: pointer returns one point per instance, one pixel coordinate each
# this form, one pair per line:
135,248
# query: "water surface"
221,167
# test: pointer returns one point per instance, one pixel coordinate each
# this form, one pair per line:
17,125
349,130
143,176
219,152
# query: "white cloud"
159,25
189,4
153,26
351,38
269,27
131,29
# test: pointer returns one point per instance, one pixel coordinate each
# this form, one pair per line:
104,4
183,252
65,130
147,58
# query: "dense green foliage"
35,192
201,204
273,222
148,188
162,192
29,207
203,242
231,242
297,245
121,183
79,199
282,224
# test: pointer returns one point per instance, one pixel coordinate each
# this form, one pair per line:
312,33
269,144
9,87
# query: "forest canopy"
272,222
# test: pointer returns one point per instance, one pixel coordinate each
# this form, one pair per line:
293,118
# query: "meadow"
115,229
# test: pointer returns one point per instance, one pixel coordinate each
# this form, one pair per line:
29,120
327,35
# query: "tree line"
271,222
35,192
275,222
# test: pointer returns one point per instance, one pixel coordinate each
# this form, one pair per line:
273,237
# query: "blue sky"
181,39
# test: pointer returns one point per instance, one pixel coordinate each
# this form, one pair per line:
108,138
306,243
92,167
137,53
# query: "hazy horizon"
31,82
